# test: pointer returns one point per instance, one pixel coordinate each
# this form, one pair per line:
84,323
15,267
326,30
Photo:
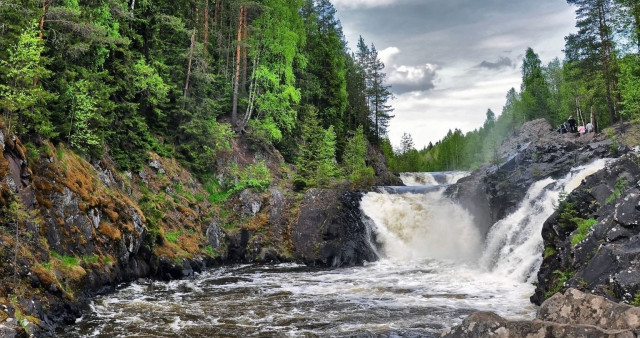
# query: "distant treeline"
600,74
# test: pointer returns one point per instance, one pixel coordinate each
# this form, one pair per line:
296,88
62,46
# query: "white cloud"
405,78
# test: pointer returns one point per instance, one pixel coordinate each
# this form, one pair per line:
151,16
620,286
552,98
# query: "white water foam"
514,245
419,226
432,178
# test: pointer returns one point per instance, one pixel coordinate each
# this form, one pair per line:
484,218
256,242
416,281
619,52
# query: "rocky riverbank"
71,229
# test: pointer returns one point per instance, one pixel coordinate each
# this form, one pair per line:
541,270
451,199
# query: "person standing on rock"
572,124
589,127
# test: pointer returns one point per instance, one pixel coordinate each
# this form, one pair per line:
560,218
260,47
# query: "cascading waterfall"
514,245
429,226
433,178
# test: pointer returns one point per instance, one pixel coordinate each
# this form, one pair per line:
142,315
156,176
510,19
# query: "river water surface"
435,270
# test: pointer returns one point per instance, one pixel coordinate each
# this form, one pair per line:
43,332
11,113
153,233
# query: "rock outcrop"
592,242
533,153
572,314
330,230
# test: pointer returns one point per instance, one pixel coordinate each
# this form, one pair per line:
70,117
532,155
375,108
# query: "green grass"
90,258
618,191
172,237
561,277
67,261
583,229
548,251
210,250
636,299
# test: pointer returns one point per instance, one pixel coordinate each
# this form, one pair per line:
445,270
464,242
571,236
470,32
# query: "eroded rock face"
330,231
607,260
572,314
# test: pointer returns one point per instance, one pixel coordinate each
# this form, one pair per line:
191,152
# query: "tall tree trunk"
191,48
41,34
206,27
244,53
604,46
236,81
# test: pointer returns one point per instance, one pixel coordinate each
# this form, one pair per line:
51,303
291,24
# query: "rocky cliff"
71,229
591,241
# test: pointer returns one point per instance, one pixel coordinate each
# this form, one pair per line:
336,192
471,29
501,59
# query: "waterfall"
429,226
418,224
514,245
432,178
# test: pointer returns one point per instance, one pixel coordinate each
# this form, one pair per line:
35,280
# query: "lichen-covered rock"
572,314
330,230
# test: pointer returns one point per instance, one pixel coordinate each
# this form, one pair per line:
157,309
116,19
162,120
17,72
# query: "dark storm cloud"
503,62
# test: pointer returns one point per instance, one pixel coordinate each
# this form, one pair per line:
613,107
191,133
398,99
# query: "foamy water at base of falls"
435,271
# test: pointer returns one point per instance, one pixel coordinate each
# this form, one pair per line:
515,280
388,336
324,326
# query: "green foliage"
316,163
584,225
24,104
255,176
86,122
173,236
560,277
211,251
621,184
67,261
630,85
636,299
90,259
33,153
549,251
354,156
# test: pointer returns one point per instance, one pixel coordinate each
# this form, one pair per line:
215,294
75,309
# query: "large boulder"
330,230
572,314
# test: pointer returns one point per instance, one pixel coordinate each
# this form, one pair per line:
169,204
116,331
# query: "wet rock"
330,230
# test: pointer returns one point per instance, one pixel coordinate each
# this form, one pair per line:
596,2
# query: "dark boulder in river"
330,230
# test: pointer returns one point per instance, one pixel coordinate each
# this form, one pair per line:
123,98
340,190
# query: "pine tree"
23,102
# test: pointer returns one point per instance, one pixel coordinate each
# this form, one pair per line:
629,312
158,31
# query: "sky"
448,61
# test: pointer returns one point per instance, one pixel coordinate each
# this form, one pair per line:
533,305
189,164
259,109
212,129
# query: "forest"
599,76
183,78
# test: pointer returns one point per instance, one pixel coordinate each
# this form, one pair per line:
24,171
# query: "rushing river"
435,270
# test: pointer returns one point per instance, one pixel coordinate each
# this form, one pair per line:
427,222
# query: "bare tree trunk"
40,34
244,53
236,83
252,95
206,27
605,48
191,48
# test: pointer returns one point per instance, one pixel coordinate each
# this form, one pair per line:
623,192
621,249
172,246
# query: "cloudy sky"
448,61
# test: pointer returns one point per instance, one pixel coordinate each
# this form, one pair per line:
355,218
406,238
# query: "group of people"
571,126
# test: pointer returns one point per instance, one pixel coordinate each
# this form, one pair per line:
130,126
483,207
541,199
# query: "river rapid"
435,269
